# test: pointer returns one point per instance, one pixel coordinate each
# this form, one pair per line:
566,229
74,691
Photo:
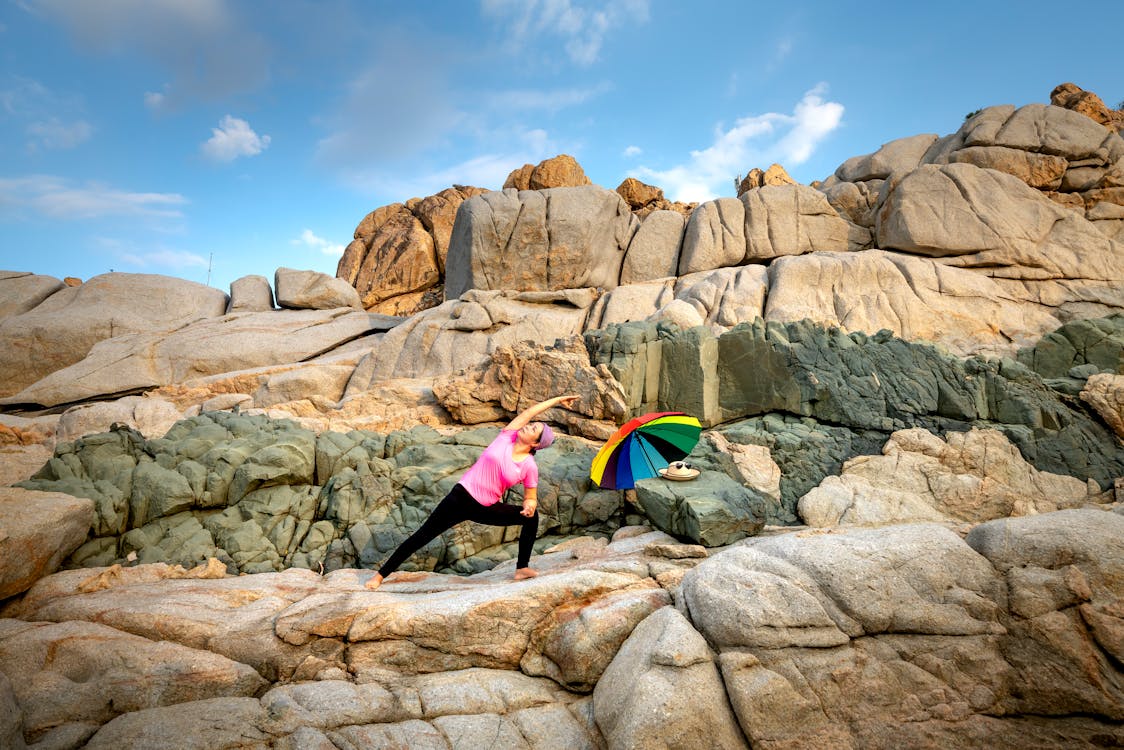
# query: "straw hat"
679,471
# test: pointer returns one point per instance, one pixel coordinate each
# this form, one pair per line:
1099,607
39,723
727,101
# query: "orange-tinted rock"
560,171
638,194
401,259
72,281
1072,96
520,179
774,175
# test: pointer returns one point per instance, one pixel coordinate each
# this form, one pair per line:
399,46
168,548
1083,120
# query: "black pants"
460,506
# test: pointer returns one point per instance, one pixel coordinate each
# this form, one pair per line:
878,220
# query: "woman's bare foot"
524,573
375,582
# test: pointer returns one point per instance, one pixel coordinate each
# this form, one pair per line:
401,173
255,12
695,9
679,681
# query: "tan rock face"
638,194
520,178
1072,96
774,175
562,238
974,476
401,258
63,328
523,374
21,292
311,290
37,532
1105,393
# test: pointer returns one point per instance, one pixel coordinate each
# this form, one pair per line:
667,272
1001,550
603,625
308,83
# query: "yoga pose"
508,461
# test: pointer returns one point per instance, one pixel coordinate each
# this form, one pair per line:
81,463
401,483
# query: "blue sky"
160,136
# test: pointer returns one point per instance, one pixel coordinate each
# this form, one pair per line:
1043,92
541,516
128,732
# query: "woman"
507,461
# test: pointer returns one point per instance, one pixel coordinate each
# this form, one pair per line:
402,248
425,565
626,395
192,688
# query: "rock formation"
905,530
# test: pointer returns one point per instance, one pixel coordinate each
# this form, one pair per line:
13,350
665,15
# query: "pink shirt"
495,472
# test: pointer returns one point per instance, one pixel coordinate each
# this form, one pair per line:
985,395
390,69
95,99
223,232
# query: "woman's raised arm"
528,415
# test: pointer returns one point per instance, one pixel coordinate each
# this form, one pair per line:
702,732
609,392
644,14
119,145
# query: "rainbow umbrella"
643,446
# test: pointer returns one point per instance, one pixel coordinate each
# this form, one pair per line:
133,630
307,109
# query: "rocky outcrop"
862,382
22,292
38,530
396,261
504,241
311,290
900,631
135,362
250,294
62,329
558,171
774,175
1073,97
972,476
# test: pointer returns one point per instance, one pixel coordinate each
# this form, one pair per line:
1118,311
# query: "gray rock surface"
62,329
312,290
250,294
901,155
22,292
501,240
37,532
712,510
664,669
654,250
134,362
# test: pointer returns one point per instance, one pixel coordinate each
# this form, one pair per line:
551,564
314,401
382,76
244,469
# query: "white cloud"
581,26
53,133
233,138
633,151
327,247
754,141
61,198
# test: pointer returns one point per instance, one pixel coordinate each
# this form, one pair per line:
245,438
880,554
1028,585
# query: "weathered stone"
774,175
1105,393
311,290
1041,171
37,532
22,292
712,509
63,328
714,237
401,259
790,220
664,670
916,298
196,725
519,178
439,212
461,333
250,294
502,241
108,672
978,218
141,361
1073,97
972,476
151,417
556,172
654,250
638,194
902,155
1097,342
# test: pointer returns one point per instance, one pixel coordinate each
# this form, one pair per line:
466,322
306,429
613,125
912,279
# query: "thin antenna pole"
210,262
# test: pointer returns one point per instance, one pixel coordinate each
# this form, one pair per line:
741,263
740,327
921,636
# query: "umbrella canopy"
643,446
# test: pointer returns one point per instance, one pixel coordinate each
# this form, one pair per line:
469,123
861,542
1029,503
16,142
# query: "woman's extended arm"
528,415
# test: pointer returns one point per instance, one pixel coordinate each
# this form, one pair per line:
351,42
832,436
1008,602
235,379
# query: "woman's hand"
528,415
530,505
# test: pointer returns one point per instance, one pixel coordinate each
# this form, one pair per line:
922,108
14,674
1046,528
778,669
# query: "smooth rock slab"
65,326
311,290
84,672
21,292
662,690
232,342
37,532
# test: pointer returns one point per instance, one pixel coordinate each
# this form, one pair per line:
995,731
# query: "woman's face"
531,434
